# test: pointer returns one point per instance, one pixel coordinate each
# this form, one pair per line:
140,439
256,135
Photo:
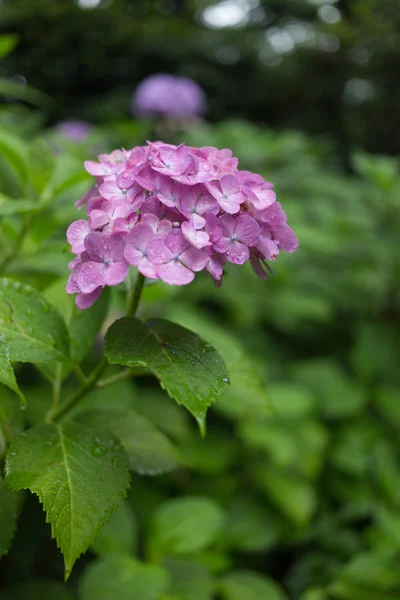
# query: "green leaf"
150,451
13,150
247,393
80,476
37,589
7,375
83,325
41,162
8,516
191,371
248,585
12,414
10,206
7,44
292,494
185,525
32,328
250,526
23,92
123,578
119,535
190,580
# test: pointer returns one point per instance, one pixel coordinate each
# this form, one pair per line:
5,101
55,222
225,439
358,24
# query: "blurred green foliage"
295,491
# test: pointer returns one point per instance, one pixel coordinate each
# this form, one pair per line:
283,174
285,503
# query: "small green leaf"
8,516
190,580
192,371
41,162
150,451
7,375
79,475
124,578
119,535
10,206
32,328
7,43
13,150
37,589
186,525
292,494
23,92
248,585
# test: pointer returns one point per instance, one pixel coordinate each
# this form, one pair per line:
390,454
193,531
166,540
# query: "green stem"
57,385
134,297
59,411
114,378
16,248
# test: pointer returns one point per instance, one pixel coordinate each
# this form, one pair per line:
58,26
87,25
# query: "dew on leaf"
98,450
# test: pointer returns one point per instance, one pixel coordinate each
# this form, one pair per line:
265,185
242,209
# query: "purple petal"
174,273
237,253
85,300
175,241
101,247
76,234
140,236
125,179
91,275
247,230
116,272
147,268
158,252
199,239
194,259
228,224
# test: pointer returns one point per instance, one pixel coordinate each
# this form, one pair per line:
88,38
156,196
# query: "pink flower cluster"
172,211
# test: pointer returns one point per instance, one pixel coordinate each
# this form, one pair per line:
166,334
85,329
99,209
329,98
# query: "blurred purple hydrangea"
168,96
74,131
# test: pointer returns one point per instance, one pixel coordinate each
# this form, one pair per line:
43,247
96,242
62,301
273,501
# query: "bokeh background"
305,92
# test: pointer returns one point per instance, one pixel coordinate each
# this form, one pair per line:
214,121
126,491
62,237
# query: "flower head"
74,131
168,96
172,211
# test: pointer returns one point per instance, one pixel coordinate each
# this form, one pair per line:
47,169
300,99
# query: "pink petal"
85,300
116,272
125,179
199,239
247,230
133,255
158,252
194,259
175,241
76,234
147,268
91,275
174,273
229,205
238,253
228,224
267,246
140,236
146,178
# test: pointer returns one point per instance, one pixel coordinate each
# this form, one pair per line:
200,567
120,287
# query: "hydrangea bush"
163,95
156,212
173,211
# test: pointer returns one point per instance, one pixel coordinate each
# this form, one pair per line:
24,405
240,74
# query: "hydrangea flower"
172,211
75,131
168,96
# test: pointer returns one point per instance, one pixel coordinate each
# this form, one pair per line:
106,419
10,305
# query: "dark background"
327,68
